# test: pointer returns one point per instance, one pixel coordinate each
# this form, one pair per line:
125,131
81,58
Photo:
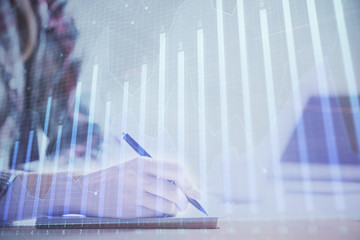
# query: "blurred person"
37,68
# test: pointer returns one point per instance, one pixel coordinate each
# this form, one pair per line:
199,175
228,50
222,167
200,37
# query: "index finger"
169,171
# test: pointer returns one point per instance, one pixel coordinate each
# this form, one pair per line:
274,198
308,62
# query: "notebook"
81,222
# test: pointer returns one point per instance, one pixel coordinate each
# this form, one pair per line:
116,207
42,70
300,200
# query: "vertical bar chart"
270,92
252,188
301,134
223,104
25,180
161,116
89,137
125,105
349,68
105,160
142,121
325,104
72,150
202,112
55,170
42,156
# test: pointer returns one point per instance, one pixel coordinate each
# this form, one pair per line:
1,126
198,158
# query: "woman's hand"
138,188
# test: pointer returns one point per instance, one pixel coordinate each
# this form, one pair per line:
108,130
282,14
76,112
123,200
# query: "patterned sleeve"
11,79
48,77
60,37
52,74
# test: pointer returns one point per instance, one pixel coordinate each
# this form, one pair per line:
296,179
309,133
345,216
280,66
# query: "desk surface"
295,229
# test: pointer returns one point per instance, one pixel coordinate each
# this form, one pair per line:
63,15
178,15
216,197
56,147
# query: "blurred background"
259,99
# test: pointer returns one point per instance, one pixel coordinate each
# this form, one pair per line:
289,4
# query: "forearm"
124,191
32,195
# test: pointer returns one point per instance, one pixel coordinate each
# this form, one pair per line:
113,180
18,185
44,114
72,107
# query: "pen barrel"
137,148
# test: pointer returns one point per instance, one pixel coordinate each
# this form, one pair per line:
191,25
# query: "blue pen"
141,151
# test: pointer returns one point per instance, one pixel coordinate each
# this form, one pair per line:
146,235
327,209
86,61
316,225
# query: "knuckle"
172,209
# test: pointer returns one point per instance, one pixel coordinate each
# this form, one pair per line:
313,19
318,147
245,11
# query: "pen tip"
123,134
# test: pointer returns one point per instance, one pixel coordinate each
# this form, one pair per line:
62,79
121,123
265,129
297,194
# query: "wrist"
67,192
